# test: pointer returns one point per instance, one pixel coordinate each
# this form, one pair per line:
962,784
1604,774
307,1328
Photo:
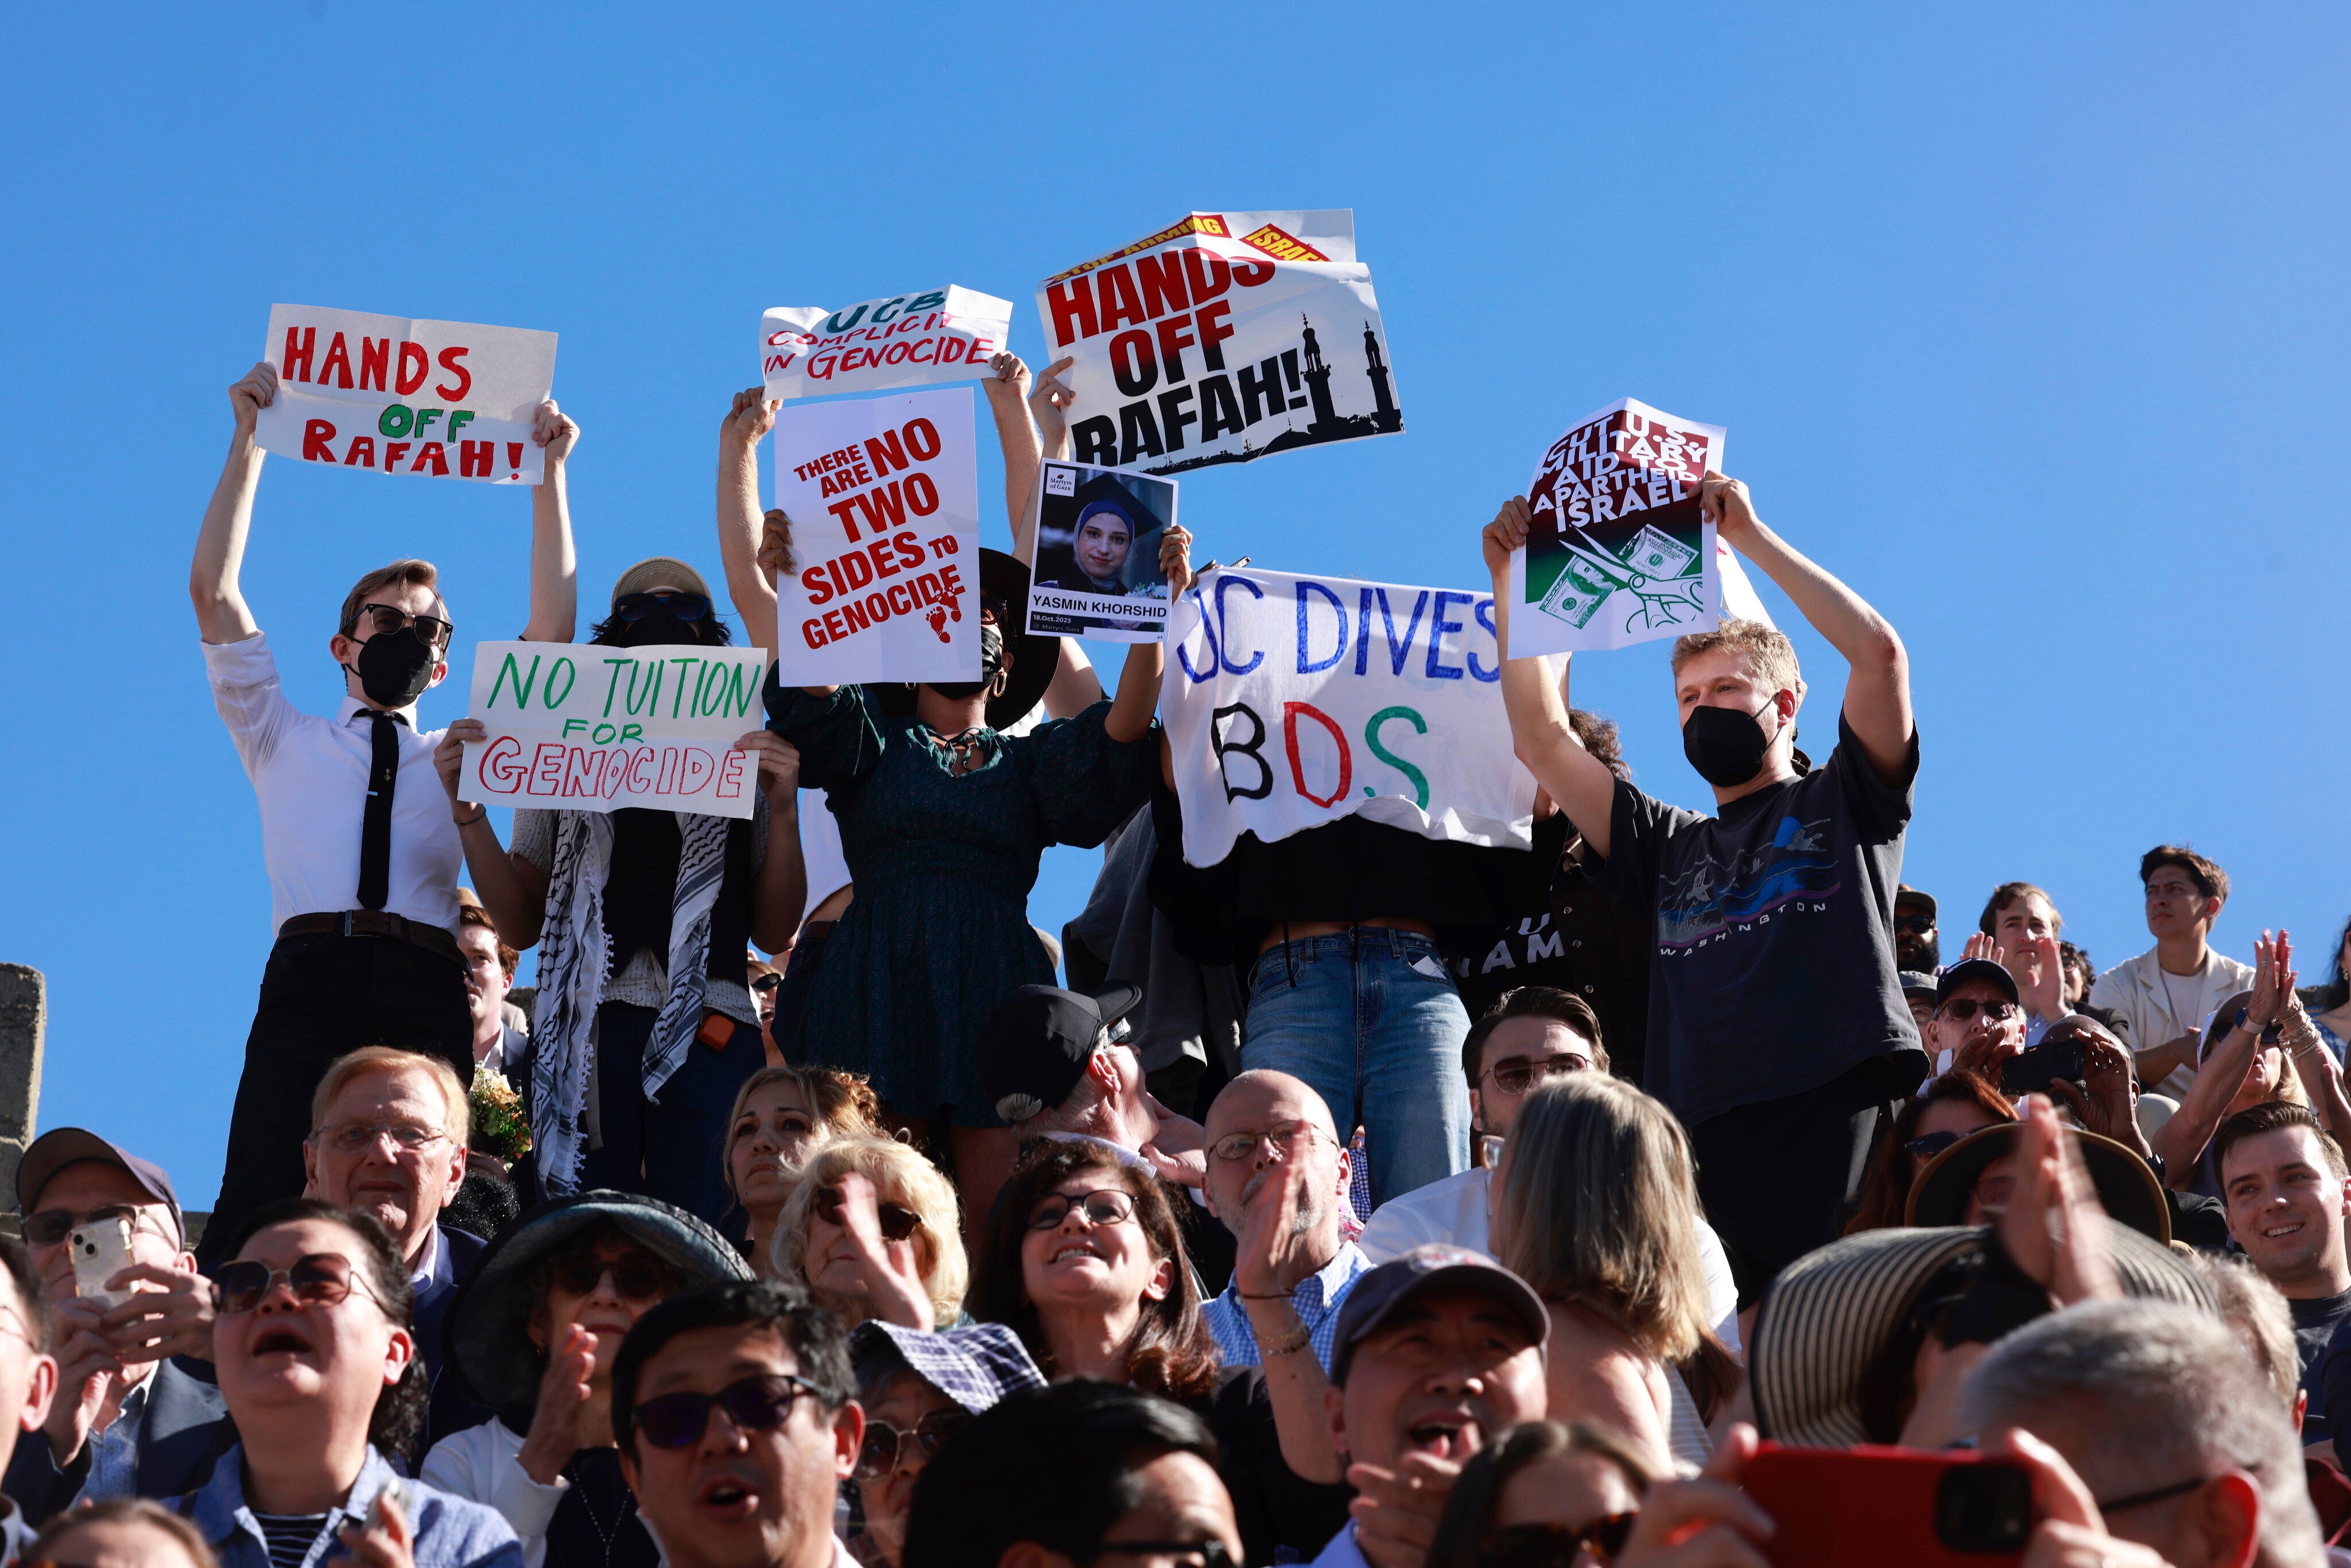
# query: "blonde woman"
782,1115
873,1231
1596,1207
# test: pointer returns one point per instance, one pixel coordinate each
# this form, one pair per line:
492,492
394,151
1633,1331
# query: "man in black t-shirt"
1777,1028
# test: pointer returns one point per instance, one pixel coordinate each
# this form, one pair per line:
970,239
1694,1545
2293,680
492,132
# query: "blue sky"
2028,321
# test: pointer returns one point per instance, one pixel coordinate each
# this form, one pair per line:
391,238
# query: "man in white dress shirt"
361,847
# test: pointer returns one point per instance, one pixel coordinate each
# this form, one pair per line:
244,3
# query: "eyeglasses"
1516,1075
635,606
1925,1148
317,1279
884,1443
1211,1554
48,1227
897,1221
1234,1147
753,1404
1108,1207
409,1138
14,1322
383,620
1962,1008
767,983
1555,1545
2140,1500
635,1276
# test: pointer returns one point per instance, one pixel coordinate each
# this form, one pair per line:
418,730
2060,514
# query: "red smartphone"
1844,1508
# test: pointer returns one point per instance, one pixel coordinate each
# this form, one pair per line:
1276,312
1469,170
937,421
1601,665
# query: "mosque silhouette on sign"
1305,364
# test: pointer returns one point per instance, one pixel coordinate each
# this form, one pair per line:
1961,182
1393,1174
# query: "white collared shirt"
422,1274
310,775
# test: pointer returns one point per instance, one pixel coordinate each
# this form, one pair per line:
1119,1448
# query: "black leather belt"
376,922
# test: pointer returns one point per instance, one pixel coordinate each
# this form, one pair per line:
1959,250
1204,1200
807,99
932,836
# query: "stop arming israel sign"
1293,701
580,726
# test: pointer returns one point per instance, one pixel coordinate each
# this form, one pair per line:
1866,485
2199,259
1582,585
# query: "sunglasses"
767,983
753,1404
1962,1008
636,1277
884,1443
1518,1077
897,1221
48,1227
1914,924
383,620
1555,1545
1928,1147
635,606
1109,1207
317,1279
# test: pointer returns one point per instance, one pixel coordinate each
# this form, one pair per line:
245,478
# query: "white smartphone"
100,1252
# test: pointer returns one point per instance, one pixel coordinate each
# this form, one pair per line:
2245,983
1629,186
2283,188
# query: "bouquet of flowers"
499,1125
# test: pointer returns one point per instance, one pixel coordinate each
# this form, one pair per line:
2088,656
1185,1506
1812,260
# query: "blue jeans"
673,1150
1372,1019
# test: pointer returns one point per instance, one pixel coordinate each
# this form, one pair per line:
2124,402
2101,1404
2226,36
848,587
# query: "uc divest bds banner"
450,400
884,495
1619,551
1223,337
579,726
1293,701
905,340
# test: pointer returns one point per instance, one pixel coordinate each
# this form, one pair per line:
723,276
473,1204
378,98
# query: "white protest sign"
1096,543
905,340
1223,337
579,726
884,495
1293,701
1618,551
446,398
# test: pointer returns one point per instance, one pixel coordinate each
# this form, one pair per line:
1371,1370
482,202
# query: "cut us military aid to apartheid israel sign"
1223,338
1293,701
581,727
1618,551
384,394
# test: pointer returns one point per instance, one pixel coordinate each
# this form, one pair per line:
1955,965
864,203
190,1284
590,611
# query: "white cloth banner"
446,398
1293,701
884,495
1207,343
905,341
1618,552
580,726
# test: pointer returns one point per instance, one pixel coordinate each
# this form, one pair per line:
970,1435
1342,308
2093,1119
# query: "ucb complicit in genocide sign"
1618,551
1292,701
904,340
446,399
884,495
1223,337
580,726
1096,542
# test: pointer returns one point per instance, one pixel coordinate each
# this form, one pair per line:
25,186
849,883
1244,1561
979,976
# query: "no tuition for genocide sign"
449,400
579,726
1619,551
1223,337
905,341
1293,701
884,495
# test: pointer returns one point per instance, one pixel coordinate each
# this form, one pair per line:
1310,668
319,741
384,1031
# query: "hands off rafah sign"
1293,701
884,495
384,394
580,726
1223,337
905,341
1618,551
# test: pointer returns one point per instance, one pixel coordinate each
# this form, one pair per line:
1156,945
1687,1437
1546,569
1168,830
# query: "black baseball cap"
54,1151
1379,1292
1034,1046
1917,983
1905,893
1949,977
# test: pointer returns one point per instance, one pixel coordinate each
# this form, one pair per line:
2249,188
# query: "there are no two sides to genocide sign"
384,394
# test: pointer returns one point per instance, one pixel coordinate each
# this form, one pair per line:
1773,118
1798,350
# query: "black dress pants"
320,998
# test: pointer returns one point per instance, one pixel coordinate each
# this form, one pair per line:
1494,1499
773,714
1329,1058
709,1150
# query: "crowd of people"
1658,1198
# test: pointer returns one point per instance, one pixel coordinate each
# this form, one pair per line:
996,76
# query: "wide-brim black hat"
487,1335
2127,1188
1035,658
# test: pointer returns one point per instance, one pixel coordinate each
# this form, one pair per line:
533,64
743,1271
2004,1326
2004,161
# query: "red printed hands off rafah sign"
905,341
884,495
1223,337
385,395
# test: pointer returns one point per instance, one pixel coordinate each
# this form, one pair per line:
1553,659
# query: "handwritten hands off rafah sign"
385,395
905,340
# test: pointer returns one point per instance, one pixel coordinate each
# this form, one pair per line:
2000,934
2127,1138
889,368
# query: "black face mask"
1726,745
394,668
991,660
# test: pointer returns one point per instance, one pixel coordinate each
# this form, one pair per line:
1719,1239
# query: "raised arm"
554,564
1878,692
1138,680
751,587
222,615
1016,432
1537,702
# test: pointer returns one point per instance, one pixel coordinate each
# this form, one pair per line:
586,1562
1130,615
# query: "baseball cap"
1034,1046
975,1365
1917,983
62,1146
659,569
1949,977
1905,893
1379,1292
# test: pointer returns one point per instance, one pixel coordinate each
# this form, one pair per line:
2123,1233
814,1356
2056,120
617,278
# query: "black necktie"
375,826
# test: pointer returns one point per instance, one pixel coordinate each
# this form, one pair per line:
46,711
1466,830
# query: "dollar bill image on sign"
1580,590
1656,553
